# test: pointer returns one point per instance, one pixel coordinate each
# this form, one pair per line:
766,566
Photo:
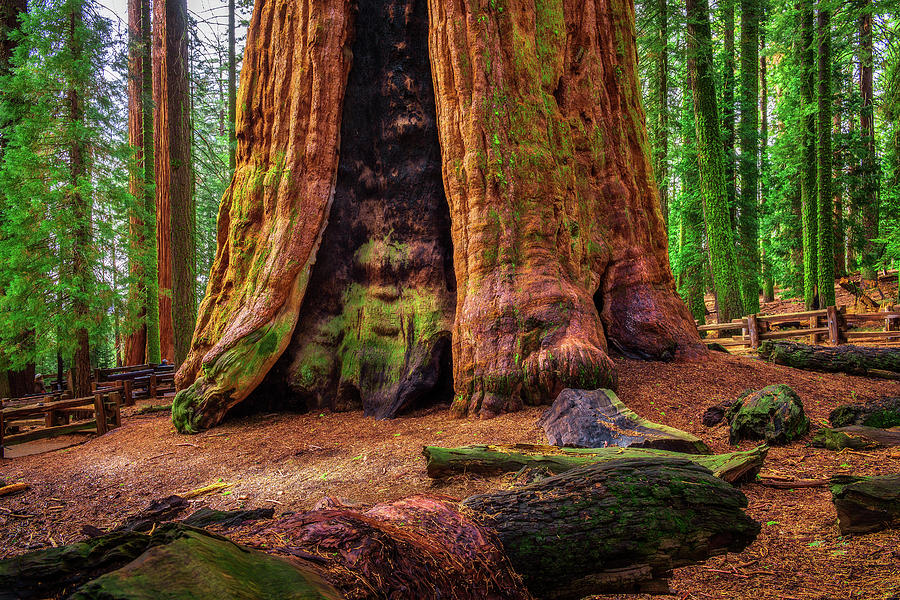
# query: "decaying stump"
546,194
856,437
597,419
854,360
620,525
494,459
882,413
774,414
866,504
615,526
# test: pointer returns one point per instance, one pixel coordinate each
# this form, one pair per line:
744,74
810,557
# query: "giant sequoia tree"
514,152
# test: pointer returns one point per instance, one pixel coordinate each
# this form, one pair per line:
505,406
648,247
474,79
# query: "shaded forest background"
773,127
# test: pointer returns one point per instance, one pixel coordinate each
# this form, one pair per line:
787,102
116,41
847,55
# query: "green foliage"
45,202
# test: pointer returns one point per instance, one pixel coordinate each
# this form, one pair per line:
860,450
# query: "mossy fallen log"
494,459
866,504
175,561
882,413
856,437
617,526
854,360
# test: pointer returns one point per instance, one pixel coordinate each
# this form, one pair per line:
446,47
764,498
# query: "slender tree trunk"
749,221
691,254
840,267
825,200
174,202
232,87
808,185
136,342
662,124
150,253
766,259
870,250
716,212
728,105
81,212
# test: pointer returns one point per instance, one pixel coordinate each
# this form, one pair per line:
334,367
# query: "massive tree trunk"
557,238
869,165
728,119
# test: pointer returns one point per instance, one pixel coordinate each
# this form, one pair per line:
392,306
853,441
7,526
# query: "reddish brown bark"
558,240
162,118
136,342
274,213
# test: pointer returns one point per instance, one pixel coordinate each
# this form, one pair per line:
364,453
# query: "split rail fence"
831,324
52,414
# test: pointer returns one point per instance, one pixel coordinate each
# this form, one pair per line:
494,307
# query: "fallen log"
866,504
14,488
856,437
882,413
618,526
174,561
496,459
597,419
854,360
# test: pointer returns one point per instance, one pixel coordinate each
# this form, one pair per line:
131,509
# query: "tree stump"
774,414
854,360
597,419
866,504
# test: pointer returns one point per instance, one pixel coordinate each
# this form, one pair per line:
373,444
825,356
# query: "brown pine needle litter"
103,481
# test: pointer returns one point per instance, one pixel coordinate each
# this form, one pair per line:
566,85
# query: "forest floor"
291,461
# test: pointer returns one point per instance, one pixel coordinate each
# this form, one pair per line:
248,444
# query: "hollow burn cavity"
374,328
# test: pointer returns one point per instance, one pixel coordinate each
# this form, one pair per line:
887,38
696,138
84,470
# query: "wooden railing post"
127,392
115,399
152,391
100,414
753,329
834,331
814,324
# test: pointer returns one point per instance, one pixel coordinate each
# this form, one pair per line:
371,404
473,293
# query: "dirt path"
292,461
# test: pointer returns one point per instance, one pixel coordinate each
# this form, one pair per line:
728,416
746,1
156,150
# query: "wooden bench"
141,381
105,407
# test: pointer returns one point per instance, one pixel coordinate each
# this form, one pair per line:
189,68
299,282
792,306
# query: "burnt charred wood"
866,504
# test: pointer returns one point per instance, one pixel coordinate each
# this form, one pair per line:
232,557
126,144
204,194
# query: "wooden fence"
831,324
98,413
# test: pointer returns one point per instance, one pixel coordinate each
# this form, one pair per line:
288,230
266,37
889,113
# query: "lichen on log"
617,526
856,437
492,459
854,360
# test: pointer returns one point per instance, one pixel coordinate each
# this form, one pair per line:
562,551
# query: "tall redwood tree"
557,237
